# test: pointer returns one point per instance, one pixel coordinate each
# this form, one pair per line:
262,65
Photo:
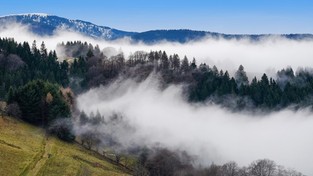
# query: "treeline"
288,89
77,49
206,83
20,64
159,161
41,102
31,83
167,163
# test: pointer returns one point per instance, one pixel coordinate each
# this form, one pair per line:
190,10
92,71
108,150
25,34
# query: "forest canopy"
40,88
87,66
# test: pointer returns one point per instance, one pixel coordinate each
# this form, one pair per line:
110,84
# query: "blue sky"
227,16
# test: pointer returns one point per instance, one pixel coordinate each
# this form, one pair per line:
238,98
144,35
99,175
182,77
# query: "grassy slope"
24,150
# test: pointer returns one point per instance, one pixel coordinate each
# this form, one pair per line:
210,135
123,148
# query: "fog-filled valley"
213,106
209,133
268,55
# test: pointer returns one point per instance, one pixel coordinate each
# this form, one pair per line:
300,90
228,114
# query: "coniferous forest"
39,88
156,88
23,63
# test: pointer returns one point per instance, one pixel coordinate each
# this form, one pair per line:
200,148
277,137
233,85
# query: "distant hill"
25,150
43,24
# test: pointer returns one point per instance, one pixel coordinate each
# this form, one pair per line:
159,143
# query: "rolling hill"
26,150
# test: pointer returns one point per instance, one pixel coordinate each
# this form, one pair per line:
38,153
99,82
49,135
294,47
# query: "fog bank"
268,55
207,132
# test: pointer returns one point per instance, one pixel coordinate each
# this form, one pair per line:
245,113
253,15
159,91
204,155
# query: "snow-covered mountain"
43,24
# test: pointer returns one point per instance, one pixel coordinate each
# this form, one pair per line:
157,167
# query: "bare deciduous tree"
14,62
263,167
229,169
91,138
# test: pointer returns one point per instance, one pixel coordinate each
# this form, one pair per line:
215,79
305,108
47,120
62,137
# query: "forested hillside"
204,82
21,64
39,88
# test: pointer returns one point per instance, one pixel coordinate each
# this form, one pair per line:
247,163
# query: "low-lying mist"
155,116
162,117
267,55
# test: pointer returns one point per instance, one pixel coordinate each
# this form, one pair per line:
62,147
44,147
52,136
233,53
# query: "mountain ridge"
45,24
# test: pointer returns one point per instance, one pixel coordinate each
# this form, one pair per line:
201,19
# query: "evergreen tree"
241,77
164,61
43,50
193,64
185,65
34,47
176,62
90,53
214,70
83,119
41,102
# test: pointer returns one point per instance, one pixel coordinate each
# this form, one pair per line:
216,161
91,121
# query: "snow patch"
27,14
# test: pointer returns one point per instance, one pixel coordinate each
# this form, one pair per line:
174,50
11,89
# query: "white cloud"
267,55
210,132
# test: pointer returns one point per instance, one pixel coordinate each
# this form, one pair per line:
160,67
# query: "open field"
25,150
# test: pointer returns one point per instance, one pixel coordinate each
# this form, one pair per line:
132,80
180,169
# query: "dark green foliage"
264,93
20,64
78,68
41,102
205,82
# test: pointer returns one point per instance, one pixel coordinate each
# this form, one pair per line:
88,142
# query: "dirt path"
39,161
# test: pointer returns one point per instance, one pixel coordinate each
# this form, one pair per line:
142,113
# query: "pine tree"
193,64
164,61
43,50
83,119
214,70
34,47
241,77
176,62
89,53
185,65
